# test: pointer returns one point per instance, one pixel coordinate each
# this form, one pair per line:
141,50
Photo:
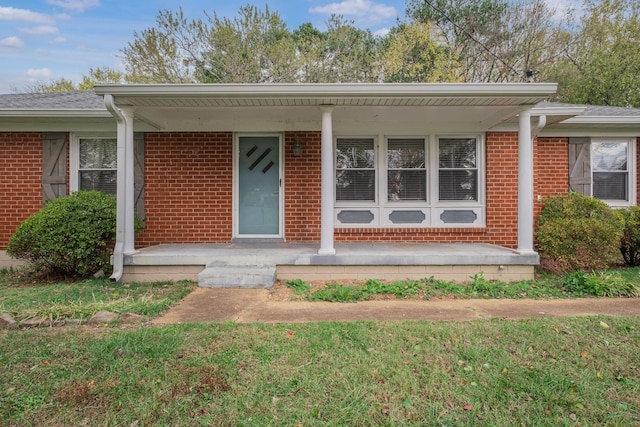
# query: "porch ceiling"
284,106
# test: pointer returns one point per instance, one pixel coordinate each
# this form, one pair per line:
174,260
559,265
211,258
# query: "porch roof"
270,107
352,94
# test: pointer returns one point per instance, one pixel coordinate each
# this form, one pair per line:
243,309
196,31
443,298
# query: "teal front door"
259,186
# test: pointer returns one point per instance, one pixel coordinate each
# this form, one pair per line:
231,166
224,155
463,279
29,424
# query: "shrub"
578,233
70,235
602,284
630,243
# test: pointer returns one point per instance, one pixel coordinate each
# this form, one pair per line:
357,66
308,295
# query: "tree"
59,85
494,40
410,54
254,47
102,75
167,53
602,63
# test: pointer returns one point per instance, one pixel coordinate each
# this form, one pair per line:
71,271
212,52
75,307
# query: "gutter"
118,251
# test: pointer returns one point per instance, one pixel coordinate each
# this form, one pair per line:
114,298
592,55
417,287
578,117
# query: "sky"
45,40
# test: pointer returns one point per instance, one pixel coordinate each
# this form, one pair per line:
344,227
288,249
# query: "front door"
258,190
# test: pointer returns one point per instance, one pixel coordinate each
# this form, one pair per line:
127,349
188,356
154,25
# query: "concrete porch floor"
380,260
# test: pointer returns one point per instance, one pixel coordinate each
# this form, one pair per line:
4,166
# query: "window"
355,169
609,162
94,164
409,181
457,169
406,169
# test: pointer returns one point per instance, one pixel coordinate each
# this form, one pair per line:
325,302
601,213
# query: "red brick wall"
20,180
551,169
501,212
302,178
188,188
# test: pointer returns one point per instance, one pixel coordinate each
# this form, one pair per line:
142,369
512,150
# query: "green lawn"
23,299
543,372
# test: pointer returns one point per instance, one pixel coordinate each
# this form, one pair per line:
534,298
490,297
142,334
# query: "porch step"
237,277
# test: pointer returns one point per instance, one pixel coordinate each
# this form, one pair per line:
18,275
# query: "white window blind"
98,164
355,169
609,162
457,169
406,169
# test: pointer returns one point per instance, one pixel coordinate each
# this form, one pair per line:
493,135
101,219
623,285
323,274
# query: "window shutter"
54,165
580,165
138,167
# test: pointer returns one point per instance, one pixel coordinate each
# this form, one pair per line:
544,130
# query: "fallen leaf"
584,353
385,410
573,417
604,325
289,334
46,363
468,407
599,374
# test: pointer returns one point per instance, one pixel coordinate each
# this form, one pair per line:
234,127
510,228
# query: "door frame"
236,185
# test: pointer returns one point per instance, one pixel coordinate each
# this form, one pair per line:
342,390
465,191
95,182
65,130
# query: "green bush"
578,233
601,284
70,235
630,243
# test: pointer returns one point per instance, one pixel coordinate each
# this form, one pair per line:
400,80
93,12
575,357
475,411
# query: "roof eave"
55,113
332,90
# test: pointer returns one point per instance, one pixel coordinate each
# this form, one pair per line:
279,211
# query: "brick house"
239,184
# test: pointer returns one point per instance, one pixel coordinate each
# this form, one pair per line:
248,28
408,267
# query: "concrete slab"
253,305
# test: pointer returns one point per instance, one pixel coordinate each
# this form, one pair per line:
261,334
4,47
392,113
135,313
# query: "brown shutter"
580,165
138,168
54,165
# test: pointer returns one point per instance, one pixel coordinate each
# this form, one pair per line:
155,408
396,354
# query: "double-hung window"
355,169
94,164
406,169
457,169
610,169
409,181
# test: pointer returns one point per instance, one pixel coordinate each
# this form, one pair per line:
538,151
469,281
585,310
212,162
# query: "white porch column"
129,191
328,187
525,184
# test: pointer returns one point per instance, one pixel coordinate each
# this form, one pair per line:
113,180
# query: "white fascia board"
55,113
558,111
604,120
497,90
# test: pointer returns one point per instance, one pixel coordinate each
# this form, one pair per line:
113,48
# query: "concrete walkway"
254,305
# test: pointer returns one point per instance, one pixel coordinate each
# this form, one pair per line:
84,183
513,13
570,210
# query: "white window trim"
432,207
74,155
631,170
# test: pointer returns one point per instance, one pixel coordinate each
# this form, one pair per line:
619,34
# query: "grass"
24,299
621,282
544,372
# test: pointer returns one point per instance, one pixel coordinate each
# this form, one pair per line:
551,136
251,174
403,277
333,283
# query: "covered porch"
260,264
496,242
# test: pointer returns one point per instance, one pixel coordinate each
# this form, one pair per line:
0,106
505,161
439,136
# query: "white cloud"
42,73
75,5
13,14
58,40
382,32
41,30
566,9
11,43
362,9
